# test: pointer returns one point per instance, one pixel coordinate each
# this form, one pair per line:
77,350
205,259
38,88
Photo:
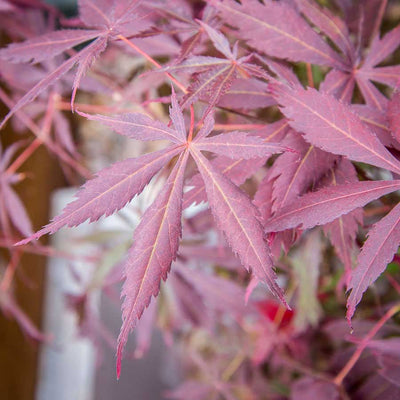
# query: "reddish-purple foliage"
273,158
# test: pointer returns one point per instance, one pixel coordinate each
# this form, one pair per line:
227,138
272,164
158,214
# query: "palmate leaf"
369,71
327,204
111,190
235,170
394,115
272,27
331,126
111,16
333,26
342,231
236,216
294,173
46,46
382,243
237,145
156,241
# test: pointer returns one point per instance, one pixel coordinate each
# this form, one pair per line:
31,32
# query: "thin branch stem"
364,343
190,137
10,271
24,156
310,76
153,61
234,127
34,128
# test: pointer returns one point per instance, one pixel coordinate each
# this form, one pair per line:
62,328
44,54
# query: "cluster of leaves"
272,156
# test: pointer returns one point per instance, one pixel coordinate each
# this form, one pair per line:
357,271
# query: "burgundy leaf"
272,27
325,205
382,243
111,190
156,241
331,126
236,216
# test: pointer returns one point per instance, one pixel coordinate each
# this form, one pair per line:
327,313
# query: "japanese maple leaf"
276,29
182,18
108,20
332,126
156,239
342,231
360,69
11,208
213,76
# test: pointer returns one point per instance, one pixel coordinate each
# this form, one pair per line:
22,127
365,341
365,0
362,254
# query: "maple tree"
283,118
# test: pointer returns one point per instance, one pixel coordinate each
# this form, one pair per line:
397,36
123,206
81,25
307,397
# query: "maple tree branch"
310,76
66,106
364,343
190,137
34,128
153,61
234,127
10,270
24,156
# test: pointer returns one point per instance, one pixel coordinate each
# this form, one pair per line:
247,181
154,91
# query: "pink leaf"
177,119
382,243
310,388
236,170
137,126
96,13
295,173
325,205
331,126
156,241
98,46
272,27
330,24
247,94
220,42
381,48
49,80
46,46
394,114
109,191
16,210
238,145
342,231
236,216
